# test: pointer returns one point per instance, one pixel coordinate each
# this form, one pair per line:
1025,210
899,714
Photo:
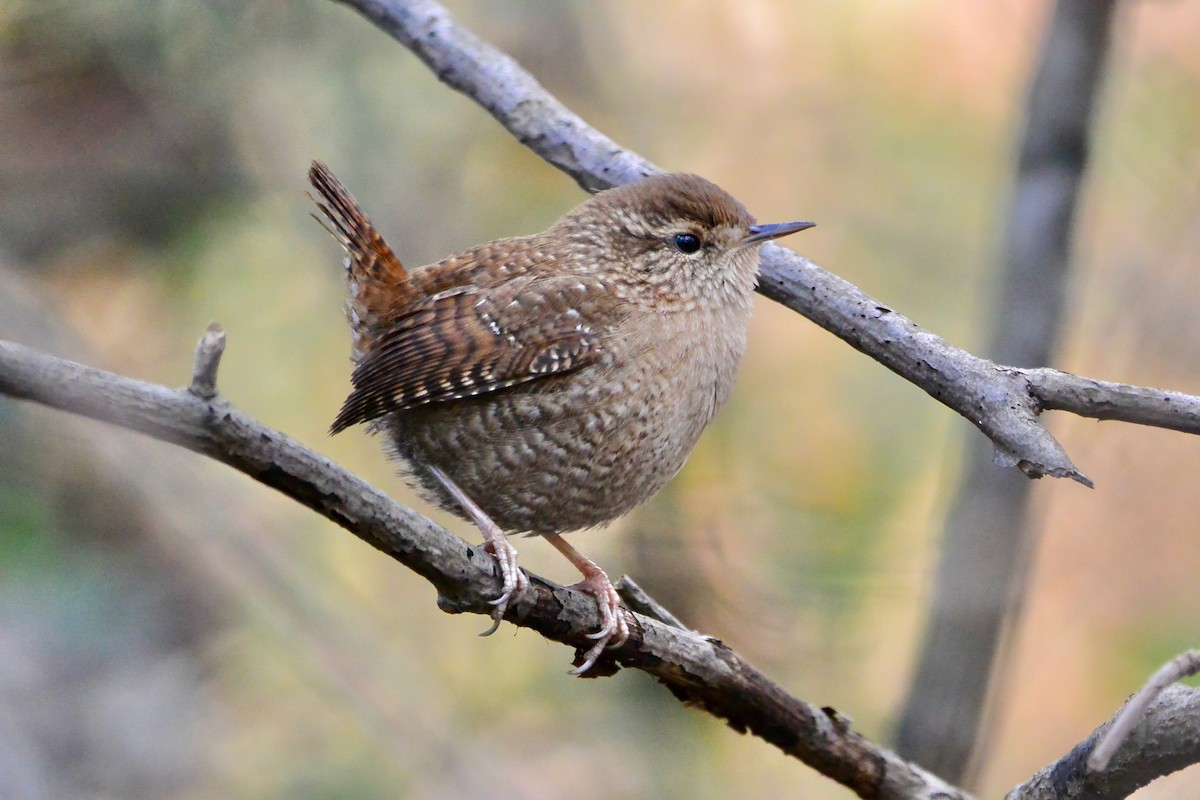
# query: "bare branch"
1131,713
993,398
699,671
1165,739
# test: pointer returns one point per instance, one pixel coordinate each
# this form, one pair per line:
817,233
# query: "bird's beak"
763,233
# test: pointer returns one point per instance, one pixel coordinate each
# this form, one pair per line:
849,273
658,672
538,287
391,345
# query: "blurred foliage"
152,160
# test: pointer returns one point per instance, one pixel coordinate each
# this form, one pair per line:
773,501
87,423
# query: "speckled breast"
571,452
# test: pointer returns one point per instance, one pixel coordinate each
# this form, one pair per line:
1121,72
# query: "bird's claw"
514,581
614,630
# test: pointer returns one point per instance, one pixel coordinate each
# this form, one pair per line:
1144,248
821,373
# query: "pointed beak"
763,233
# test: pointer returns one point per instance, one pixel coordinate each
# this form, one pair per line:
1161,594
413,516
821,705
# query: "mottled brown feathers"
467,341
559,379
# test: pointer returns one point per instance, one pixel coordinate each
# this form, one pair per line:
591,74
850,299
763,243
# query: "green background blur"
171,629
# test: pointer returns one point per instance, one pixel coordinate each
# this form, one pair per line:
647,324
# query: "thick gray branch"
700,672
994,399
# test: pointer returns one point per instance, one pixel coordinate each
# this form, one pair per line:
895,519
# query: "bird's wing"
469,341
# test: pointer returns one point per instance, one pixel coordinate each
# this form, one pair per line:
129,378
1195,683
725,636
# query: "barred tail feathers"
379,285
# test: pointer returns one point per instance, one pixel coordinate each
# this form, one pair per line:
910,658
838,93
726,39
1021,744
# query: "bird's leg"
613,628
496,543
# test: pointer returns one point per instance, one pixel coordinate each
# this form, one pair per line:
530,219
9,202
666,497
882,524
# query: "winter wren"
548,383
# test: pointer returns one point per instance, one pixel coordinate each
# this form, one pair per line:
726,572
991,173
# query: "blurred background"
169,628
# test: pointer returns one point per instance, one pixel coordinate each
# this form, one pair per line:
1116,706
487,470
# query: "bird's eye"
686,243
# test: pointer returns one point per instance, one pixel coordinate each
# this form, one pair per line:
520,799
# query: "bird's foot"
513,581
614,630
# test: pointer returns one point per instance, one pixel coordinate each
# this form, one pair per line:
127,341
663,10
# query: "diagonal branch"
495,80
699,671
1002,402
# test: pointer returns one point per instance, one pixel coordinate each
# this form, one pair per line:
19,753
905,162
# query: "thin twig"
1182,666
206,362
638,599
1061,391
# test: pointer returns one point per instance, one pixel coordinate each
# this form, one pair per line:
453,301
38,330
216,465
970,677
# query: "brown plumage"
549,383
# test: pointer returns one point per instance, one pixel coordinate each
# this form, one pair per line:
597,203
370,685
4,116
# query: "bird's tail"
379,284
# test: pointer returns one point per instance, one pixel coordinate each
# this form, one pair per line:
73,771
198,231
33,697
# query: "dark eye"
686,243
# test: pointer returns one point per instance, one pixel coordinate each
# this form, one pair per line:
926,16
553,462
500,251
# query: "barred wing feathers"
468,341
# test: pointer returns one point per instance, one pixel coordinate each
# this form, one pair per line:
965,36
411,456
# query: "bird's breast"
581,449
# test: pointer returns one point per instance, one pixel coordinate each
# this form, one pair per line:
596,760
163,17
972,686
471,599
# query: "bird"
549,383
